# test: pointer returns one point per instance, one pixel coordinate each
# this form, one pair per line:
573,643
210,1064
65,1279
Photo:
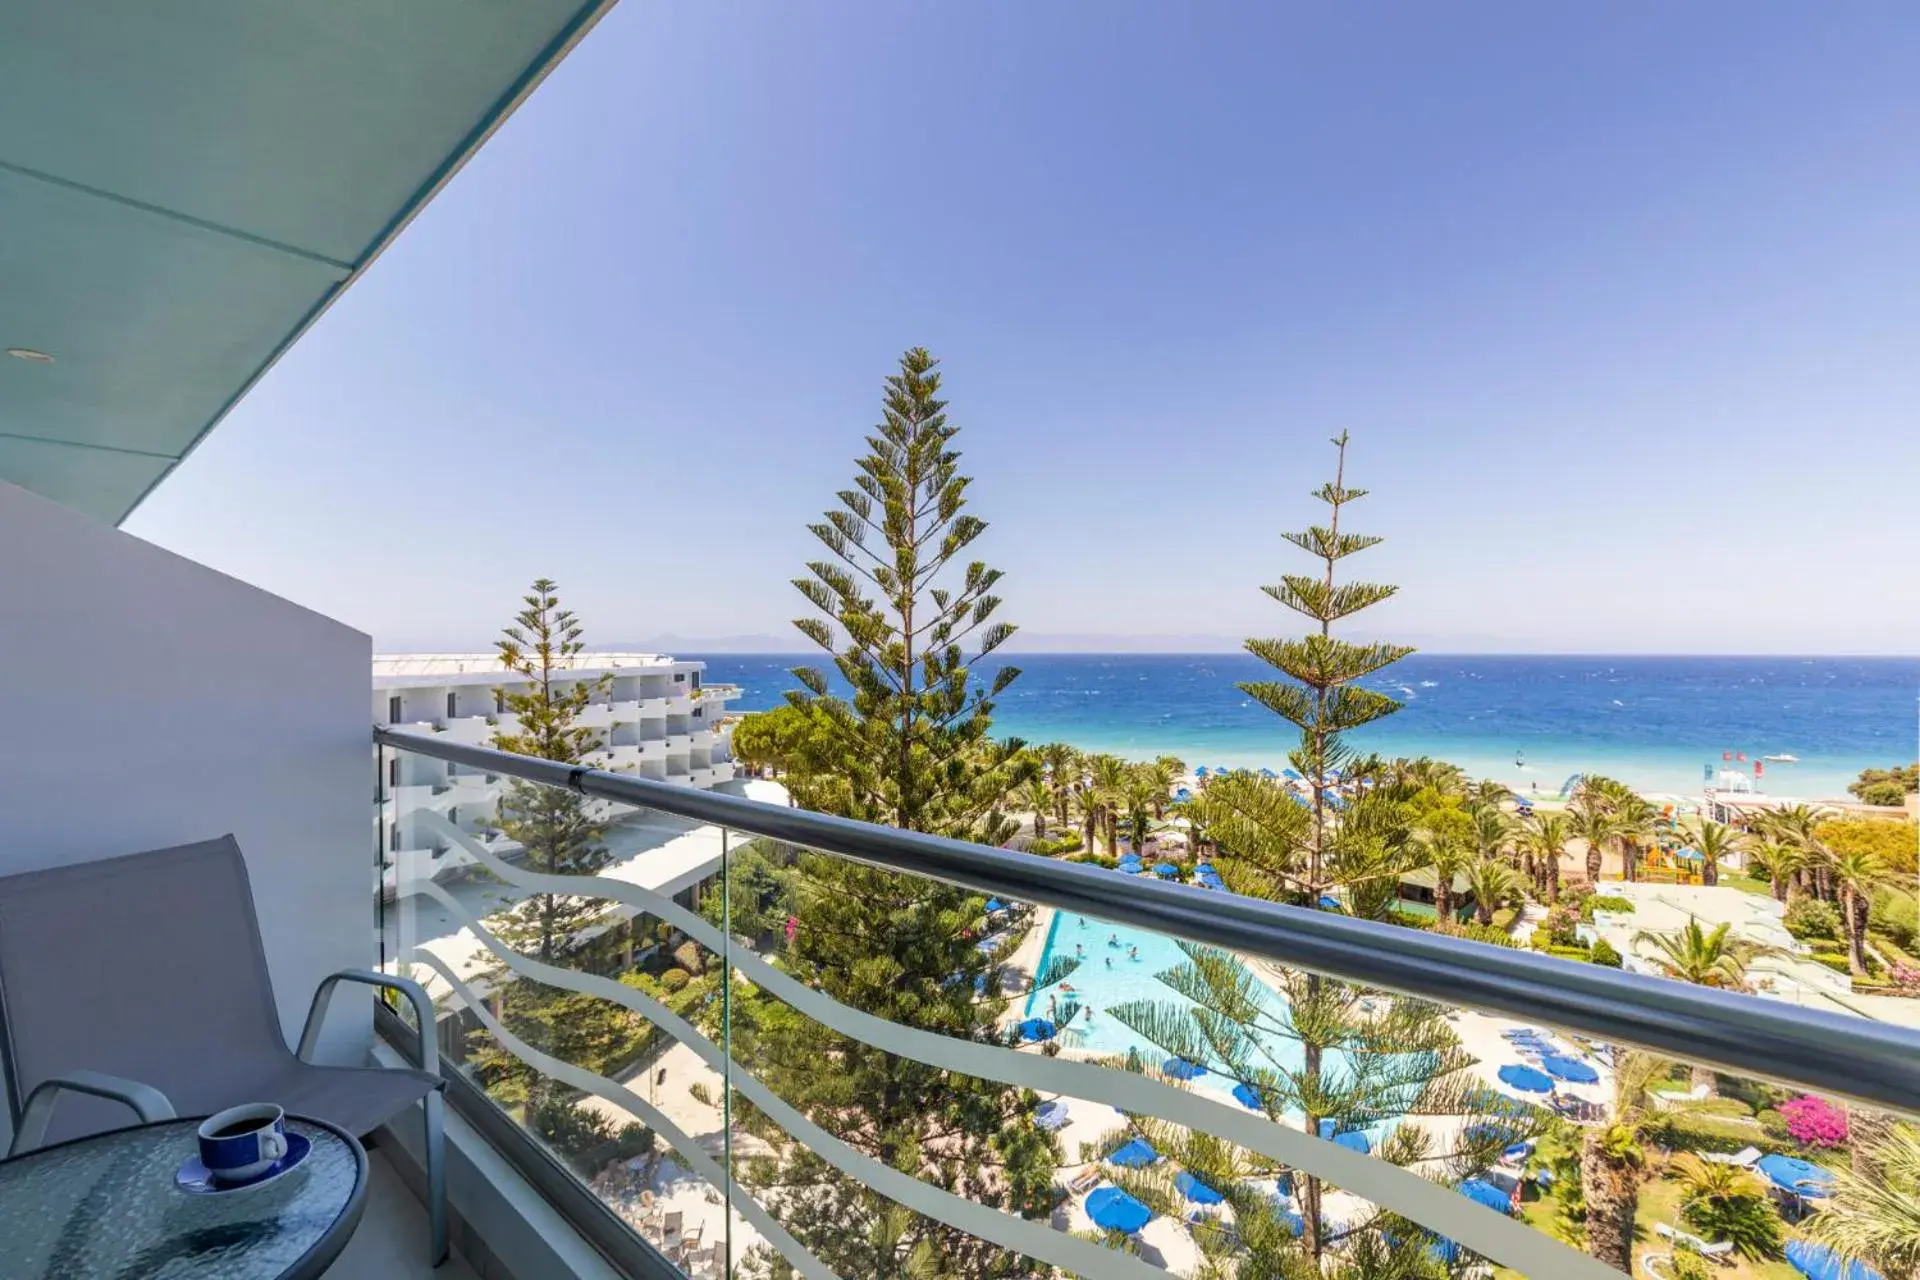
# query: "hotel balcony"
166,246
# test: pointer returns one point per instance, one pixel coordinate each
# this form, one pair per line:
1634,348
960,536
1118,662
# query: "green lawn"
1747,884
1659,1202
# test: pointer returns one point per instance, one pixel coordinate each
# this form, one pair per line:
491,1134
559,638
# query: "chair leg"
434,1104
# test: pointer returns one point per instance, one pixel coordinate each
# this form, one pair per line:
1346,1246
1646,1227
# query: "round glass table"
107,1206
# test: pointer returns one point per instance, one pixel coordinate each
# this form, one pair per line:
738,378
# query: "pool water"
1099,986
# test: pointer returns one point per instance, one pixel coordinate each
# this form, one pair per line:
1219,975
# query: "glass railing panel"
918,1067
538,920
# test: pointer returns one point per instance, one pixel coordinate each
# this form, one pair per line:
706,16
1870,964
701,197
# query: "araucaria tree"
561,834
907,617
1327,1052
559,829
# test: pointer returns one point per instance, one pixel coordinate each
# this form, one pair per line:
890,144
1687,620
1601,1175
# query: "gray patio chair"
140,982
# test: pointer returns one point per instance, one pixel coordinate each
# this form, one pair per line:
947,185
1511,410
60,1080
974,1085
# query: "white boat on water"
1782,758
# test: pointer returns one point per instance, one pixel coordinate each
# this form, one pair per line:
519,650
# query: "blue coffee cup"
243,1142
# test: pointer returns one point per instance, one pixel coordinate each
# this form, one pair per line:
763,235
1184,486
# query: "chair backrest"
148,966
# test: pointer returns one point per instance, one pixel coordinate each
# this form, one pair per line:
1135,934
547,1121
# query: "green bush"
675,980
1689,1265
1689,1130
1773,1124
1503,918
1749,1221
1407,919
1569,953
1487,933
1834,960
1604,902
1811,918
1069,843
1604,953
1895,914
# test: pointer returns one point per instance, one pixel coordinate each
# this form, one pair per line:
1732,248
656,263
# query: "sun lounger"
1718,1250
1086,1182
1744,1157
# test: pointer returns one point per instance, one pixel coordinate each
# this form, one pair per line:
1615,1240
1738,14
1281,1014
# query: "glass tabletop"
107,1206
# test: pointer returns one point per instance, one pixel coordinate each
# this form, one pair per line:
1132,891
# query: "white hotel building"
655,716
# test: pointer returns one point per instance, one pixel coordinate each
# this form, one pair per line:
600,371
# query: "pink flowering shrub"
1905,976
1814,1121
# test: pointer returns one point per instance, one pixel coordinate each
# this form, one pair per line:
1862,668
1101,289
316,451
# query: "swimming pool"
1136,956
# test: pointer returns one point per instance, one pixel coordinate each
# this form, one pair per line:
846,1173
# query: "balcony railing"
664,1136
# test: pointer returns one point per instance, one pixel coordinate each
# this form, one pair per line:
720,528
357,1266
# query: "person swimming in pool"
1109,962
1113,939
1133,953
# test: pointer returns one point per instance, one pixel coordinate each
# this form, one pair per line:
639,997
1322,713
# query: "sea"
1659,724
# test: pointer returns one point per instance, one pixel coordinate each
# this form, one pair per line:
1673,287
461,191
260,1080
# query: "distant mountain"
694,646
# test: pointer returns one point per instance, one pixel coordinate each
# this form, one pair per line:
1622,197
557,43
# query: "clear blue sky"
1622,308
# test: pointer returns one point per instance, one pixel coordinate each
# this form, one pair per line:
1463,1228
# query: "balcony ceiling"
185,186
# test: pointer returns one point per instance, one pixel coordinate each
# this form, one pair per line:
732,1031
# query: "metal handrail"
1747,1036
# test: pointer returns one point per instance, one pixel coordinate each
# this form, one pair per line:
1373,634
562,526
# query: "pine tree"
1324,1053
561,834
907,622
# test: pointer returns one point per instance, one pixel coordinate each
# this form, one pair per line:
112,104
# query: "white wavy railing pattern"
1035,1239
684,1147
1402,1191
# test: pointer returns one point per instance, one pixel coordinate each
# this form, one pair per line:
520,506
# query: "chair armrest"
413,991
146,1102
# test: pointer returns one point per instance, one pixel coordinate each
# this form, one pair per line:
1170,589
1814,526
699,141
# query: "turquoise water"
1098,987
1654,722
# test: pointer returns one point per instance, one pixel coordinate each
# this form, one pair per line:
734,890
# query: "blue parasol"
1195,1190
1487,1194
1136,1154
1036,1029
1051,1115
1249,1097
1526,1079
1165,870
994,904
1569,1069
1798,1176
1114,1210
1818,1262
1181,1069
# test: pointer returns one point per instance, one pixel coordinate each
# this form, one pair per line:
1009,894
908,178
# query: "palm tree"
1716,959
1143,793
1493,883
1612,1163
1547,837
1857,875
1061,762
1167,770
1635,819
1595,823
1037,796
1781,862
1110,774
1448,854
1093,809
1874,1216
1492,830
1714,840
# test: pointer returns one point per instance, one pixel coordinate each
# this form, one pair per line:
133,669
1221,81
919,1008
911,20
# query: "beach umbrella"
1292,775
1526,1079
1201,772
1294,1222
1221,770
1818,1262
1114,1210
1487,1194
1135,1154
1511,1032
1195,1190
1268,773
1204,868
1353,1140
1051,1115
1284,1183
1165,870
1249,1097
1330,903
1569,1069
994,904
1798,1176
1181,1069
1183,794
1036,1029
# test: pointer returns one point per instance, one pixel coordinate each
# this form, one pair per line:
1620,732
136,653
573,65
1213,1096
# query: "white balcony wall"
234,710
